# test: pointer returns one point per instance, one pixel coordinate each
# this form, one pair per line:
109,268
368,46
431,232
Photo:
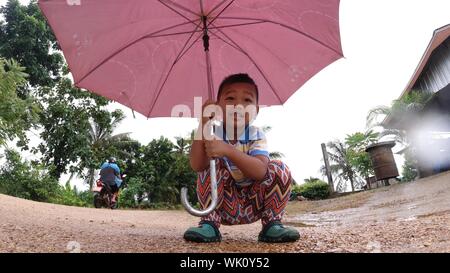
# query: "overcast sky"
383,41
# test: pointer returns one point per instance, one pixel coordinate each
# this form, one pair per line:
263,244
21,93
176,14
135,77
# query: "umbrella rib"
237,47
290,28
216,7
179,6
127,46
192,44
220,13
179,56
176,11
214,27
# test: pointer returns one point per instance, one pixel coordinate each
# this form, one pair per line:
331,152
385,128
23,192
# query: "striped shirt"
252,142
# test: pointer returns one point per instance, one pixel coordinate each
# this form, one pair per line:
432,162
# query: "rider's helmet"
112,159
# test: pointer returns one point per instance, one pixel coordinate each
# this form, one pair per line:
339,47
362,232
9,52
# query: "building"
429,130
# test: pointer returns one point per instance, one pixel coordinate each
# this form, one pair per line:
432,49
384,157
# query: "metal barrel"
382,159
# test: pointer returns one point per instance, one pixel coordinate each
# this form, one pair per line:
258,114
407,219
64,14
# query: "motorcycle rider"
110,176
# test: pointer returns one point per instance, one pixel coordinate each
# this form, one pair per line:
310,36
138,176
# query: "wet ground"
410,217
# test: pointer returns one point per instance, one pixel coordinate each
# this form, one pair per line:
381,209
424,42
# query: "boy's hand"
216,148
208,103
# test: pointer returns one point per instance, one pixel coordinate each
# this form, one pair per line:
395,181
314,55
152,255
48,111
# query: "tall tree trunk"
352,183
91,174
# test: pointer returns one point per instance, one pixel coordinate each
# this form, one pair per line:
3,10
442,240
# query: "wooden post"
327,167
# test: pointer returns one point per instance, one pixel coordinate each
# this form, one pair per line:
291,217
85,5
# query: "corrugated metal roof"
439,36
436,73
431,81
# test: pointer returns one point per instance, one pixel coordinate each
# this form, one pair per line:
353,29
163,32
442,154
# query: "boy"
250,185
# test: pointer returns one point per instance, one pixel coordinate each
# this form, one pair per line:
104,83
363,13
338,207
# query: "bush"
132,195
26,180
313,190
409,172
70,197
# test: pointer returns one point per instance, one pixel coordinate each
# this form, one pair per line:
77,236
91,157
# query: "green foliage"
65,116
409,172
26,180
16,114
134,194
157,175
311,179
87,197
358,158
401,111
71,197
349,160
26,37
313,190
104,144
340,165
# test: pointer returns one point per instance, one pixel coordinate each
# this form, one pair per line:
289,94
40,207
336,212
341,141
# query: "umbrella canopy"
150,54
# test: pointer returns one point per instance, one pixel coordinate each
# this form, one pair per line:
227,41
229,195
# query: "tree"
401,111
404,114
311,179
104,144
24,179
26,37
340,164
153,167
158,173
65,123
358,157
182,145
409,172
16,114
66,195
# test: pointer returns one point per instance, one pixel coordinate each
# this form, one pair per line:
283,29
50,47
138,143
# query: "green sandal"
275,232
206,232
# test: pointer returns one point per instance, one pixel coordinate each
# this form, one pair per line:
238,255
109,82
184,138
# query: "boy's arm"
254,167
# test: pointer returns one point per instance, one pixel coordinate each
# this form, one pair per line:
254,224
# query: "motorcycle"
103,194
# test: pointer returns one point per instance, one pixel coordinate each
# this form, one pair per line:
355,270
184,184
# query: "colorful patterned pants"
265,199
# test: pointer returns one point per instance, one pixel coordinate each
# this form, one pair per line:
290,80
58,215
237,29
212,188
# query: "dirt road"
411,217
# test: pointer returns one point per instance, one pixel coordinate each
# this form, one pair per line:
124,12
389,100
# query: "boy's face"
239,104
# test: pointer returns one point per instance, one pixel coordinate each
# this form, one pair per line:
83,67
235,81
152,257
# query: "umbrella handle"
213,205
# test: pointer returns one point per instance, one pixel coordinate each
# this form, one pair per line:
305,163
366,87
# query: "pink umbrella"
153,55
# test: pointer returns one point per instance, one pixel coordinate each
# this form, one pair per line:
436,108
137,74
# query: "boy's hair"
237,78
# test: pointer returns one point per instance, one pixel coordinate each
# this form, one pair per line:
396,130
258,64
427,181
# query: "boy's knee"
279,171
278,166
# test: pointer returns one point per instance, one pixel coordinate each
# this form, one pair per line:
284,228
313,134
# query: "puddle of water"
298,224
411,218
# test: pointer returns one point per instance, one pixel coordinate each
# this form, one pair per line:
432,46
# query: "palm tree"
182,145
340,165
101,138
404,116
311,179
401,112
